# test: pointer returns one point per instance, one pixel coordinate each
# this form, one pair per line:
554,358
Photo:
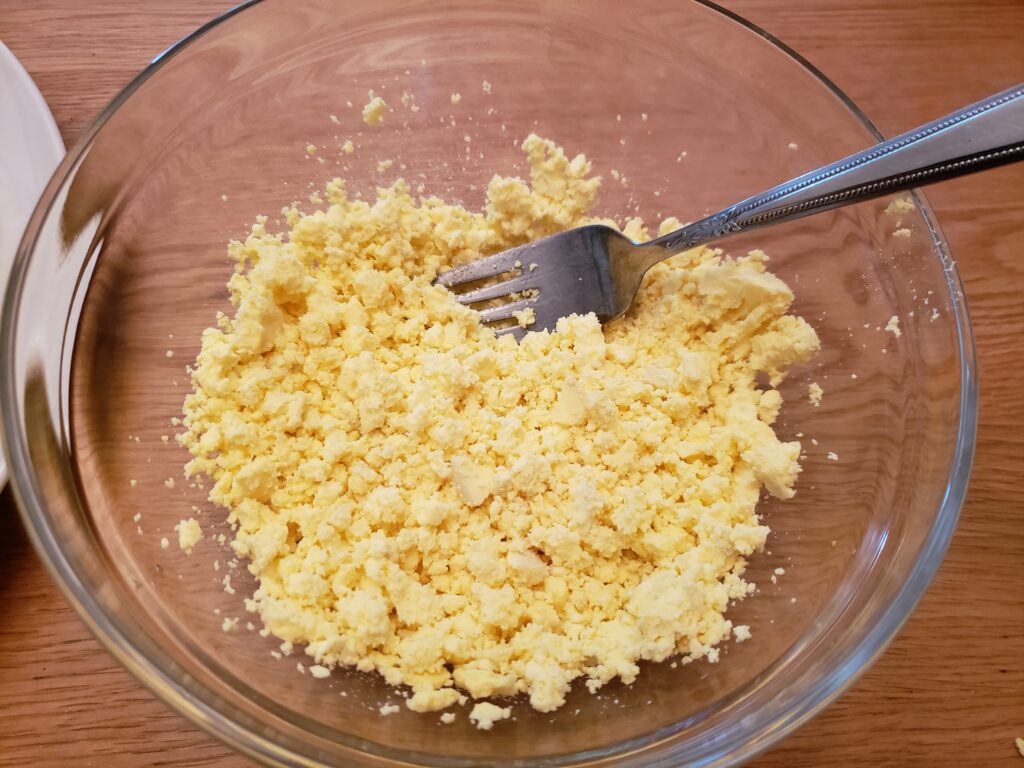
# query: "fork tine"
520,283
483,268
515,332
505,311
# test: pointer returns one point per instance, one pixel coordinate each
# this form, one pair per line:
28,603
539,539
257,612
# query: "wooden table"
948,692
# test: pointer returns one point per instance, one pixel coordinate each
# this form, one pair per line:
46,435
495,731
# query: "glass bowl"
124,264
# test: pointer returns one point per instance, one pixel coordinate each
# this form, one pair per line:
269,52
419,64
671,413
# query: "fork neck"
700,232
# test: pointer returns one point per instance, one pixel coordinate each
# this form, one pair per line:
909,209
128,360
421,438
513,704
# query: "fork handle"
983,135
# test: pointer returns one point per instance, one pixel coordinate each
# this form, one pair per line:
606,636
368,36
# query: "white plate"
30,149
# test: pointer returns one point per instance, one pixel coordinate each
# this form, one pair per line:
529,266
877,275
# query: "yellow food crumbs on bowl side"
456,98
348,147
814,393
893,326
374,111
190,533
899,206
459,512
484,715
433,700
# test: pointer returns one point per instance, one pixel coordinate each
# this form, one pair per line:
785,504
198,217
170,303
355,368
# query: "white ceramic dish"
30,150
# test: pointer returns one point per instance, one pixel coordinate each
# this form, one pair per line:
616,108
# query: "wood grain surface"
950,689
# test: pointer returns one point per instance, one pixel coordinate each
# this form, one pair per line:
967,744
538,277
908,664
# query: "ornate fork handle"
983,135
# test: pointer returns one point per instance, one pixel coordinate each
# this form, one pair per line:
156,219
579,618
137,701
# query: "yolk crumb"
190,533
814,393
374,111
484,715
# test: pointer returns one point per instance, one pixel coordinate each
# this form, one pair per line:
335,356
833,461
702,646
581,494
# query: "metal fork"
597,269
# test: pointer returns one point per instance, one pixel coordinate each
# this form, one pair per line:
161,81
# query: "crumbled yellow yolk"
900,205
190,533
893,326
374,111
484,715
815,393
456,511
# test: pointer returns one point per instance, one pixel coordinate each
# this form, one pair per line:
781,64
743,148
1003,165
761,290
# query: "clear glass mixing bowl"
124,261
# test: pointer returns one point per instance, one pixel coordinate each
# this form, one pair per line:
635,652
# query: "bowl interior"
696,111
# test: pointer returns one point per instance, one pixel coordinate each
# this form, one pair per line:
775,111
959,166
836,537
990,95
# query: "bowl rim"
256,745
